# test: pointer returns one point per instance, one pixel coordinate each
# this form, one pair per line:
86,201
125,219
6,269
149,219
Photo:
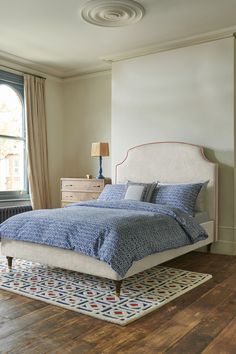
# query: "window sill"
14,202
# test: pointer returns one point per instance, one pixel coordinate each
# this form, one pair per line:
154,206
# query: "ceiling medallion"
112,13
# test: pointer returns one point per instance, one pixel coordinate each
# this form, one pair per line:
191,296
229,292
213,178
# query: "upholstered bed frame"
168,162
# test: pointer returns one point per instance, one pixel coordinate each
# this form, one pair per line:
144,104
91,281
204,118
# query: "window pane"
11,165
11,122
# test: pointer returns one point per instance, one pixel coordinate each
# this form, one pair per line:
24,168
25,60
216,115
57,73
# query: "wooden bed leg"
9,262
118,284
209,248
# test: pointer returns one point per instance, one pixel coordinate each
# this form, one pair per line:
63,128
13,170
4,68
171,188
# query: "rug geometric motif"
94,296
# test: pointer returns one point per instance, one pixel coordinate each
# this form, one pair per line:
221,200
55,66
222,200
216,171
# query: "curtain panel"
37,142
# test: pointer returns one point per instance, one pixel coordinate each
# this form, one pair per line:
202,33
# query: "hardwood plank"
17,308
15,325
225,342
14,307
56,336
80,347
34,332
201,335
69,332
5,295
63,327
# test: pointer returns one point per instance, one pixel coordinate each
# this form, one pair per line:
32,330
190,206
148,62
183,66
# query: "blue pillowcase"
182,196
112,192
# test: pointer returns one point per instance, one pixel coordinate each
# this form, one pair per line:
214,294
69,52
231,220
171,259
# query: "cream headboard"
172,162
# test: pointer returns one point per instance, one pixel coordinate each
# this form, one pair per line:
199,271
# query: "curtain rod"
23,72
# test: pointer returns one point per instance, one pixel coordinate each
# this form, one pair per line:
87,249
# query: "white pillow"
135,192
147,192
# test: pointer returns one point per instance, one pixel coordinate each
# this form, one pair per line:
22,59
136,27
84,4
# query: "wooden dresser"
78,189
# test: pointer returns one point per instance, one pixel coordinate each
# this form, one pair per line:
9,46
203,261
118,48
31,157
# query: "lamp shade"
100,149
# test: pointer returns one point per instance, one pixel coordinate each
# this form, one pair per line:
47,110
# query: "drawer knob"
68,185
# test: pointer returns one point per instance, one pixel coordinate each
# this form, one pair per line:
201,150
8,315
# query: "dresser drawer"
78,196
79,189
82,185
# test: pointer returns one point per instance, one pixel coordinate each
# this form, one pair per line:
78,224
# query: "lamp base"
100,177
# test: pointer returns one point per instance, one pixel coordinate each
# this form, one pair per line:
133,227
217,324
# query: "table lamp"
100,150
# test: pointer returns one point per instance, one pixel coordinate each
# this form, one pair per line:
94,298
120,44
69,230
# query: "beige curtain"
37,142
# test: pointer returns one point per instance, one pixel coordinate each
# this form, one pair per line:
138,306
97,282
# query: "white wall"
78,113
185,95
87,115
55,133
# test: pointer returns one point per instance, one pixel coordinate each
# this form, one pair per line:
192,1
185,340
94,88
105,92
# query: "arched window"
13,170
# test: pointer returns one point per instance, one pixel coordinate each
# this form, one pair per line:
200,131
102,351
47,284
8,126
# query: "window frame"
16,83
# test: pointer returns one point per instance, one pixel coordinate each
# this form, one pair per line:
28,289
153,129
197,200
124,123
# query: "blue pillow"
112,192
182,196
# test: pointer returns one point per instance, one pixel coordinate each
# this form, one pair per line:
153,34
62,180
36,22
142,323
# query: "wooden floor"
201,321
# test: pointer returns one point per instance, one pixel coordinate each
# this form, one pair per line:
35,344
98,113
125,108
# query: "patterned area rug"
93,296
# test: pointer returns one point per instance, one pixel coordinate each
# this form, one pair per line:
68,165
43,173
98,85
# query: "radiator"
7,212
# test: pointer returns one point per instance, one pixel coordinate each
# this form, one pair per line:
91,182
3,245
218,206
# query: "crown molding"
170,45
70,74
20,64
87,76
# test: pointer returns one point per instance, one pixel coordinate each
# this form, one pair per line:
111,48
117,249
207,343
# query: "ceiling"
50,35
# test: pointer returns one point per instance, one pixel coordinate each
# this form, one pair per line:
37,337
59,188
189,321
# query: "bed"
168,162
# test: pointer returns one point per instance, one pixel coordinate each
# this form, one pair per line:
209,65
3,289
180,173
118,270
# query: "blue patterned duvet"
117,233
